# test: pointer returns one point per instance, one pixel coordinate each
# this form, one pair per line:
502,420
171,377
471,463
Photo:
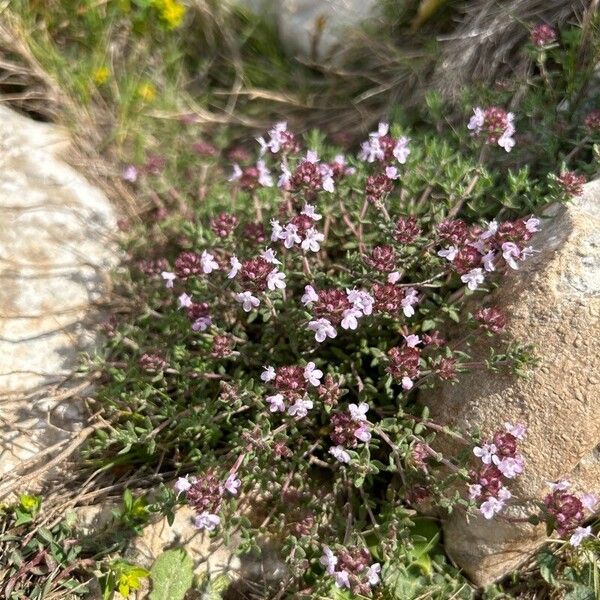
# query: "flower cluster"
473,252
347,429
543,35
382,147
307,317
499,460
252,177
571,183
351,568
387,152
280,139
335,307
567,511
495,124
291,384
205,495
310,175
152,362
301,230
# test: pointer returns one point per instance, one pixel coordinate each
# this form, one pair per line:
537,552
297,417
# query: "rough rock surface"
211,556
55,250
553,302
314,29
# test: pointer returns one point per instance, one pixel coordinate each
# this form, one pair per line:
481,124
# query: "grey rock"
553,302
56,247
314,29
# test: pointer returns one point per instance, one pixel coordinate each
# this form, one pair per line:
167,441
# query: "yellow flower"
147,92
101,75
171,12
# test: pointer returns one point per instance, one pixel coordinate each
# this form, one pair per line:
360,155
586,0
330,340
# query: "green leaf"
172,575
581,592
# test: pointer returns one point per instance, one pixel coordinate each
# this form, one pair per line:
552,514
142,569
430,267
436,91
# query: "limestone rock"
314,29
55,250
553,302
210,555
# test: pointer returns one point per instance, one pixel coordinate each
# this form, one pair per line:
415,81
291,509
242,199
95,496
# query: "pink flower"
323,329
350,318
289,235
474,278
392,173
201,323
207,521
506,140
312,240
309,211
232,484
393,277
312,374
448,253
284,181
185,300
247,300
401,150
543,35
312,157
486,453
237,173
169,278
411,297
300,408
491,507
270,256
183,484
276,230
268,374
510,466
236,265
362,433
276,403
208,262
491,230
407,383
373,574
371,150
518,430
327,177
510,252
412,341
358,412
361,301
309,295
474,491
130,174
477,120
488,261
589,502
276,280
342,579
580,534
328,560
264,175
339,452
532,224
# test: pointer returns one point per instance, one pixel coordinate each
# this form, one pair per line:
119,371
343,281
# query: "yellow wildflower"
101,75
171,12
147,92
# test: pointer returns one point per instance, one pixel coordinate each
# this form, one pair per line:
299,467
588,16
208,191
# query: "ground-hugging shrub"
289,324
